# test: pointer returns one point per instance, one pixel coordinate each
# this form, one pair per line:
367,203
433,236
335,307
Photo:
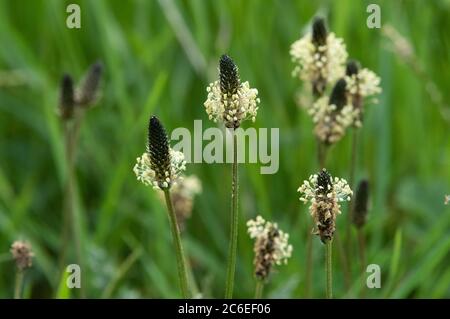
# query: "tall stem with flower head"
271,248
320,58
161,167
72,106
324,193
231,102
361,83
23,257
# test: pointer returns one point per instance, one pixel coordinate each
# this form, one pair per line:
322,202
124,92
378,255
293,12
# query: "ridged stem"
181,264
259,289
232,251
18,284
362,254
309,265
71,219
329,269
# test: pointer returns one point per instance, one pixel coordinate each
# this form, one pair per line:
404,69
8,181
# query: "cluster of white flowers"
330,123
310,190
231,109
146,175
319,62
261,230
324,193
364,83
188,187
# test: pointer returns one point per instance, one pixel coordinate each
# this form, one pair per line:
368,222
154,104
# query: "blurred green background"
159,57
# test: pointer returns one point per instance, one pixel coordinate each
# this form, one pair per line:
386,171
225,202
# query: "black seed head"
319,31
229,75
324,181
90,86
264,257
66,98
352,68
361,207
338,96
158,149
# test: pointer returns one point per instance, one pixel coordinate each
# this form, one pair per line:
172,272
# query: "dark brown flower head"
271,246
22,254
361,206
338,96
319,32
324,182
158,150
89,89
325,193
66,97
228,75
264,250
352,68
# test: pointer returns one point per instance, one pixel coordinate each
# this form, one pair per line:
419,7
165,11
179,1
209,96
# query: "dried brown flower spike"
361,207
89,89
271,246
22,254
66,98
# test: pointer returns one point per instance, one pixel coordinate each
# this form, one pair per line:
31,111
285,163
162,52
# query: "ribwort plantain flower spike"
324,193
22,254
229,100
319,57
271,246
66,98
88,90
361,207
160,166
319,32
361,83
333,115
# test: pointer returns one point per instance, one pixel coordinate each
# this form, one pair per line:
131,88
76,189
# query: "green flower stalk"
71,108
161,167
231,102
361,84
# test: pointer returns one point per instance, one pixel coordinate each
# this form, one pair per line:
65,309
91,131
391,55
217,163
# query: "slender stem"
329,270
351,182
322,154
309,265
71,219
344,261
182,274
259,289
362,254
18,285
353,160
231,267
